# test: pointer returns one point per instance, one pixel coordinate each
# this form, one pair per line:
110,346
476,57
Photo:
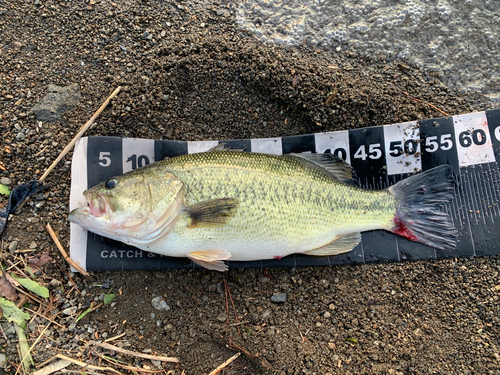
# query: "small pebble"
13,247
159,304
327,315
222,317
5,181
278,297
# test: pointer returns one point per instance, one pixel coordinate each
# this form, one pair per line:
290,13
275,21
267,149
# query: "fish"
224,205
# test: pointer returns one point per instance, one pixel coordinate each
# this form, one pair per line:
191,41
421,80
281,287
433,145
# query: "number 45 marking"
374,152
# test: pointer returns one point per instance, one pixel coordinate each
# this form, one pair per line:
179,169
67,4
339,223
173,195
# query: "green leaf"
83,314
12,313
32,286
4,190
354,341
109,298
30,272
25,348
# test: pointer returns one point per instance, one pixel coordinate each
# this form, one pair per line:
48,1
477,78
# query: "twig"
80,133
140,355
429,104
232,302
232,344
48,319
115,338
65,256
79,363
130,368
239,324
225,364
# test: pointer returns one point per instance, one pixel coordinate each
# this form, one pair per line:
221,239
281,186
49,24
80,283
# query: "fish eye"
111,183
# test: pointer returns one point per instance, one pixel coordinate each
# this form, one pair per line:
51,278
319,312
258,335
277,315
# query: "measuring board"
380,155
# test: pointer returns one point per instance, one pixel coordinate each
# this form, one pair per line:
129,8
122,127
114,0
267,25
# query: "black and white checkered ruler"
381,156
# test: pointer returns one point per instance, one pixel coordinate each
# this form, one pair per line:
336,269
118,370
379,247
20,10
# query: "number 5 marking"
104,159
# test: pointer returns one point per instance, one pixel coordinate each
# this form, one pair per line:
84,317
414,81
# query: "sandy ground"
188,74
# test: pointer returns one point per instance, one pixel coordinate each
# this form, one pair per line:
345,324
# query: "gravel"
197,77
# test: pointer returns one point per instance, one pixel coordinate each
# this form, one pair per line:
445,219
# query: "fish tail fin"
420,199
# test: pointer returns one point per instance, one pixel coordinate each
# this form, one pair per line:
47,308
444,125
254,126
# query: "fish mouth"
97,205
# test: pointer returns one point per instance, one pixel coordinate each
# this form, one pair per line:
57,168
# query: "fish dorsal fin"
332,164
342,245
212,213
223,147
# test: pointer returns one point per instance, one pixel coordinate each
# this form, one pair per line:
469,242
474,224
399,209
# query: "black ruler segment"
298,143
169,149
104,159
381,155
437,137
493,118
367,154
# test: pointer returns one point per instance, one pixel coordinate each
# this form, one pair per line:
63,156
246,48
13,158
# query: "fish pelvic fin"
419,203
211,213
210,259
342,244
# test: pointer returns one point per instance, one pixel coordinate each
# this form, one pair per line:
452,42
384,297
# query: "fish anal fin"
212,213
341,245
210,259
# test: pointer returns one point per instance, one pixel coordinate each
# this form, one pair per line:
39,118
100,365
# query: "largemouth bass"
232,205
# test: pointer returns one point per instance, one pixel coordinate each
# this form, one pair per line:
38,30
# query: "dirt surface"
188,74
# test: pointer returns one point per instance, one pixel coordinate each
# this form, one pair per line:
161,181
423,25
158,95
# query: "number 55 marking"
104,159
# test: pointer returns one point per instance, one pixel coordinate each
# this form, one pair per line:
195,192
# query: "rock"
69,311
265,313
20,136
278,297
105,285
5,181
56,102
222,317
212,288
13,247
159,304
33,245
3,360
327,315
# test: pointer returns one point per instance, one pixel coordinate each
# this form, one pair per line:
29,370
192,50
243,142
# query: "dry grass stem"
135,354
225,364
63,253
79,363
115,338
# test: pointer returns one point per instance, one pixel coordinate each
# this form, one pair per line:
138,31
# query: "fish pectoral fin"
210,259
341,245
212,213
